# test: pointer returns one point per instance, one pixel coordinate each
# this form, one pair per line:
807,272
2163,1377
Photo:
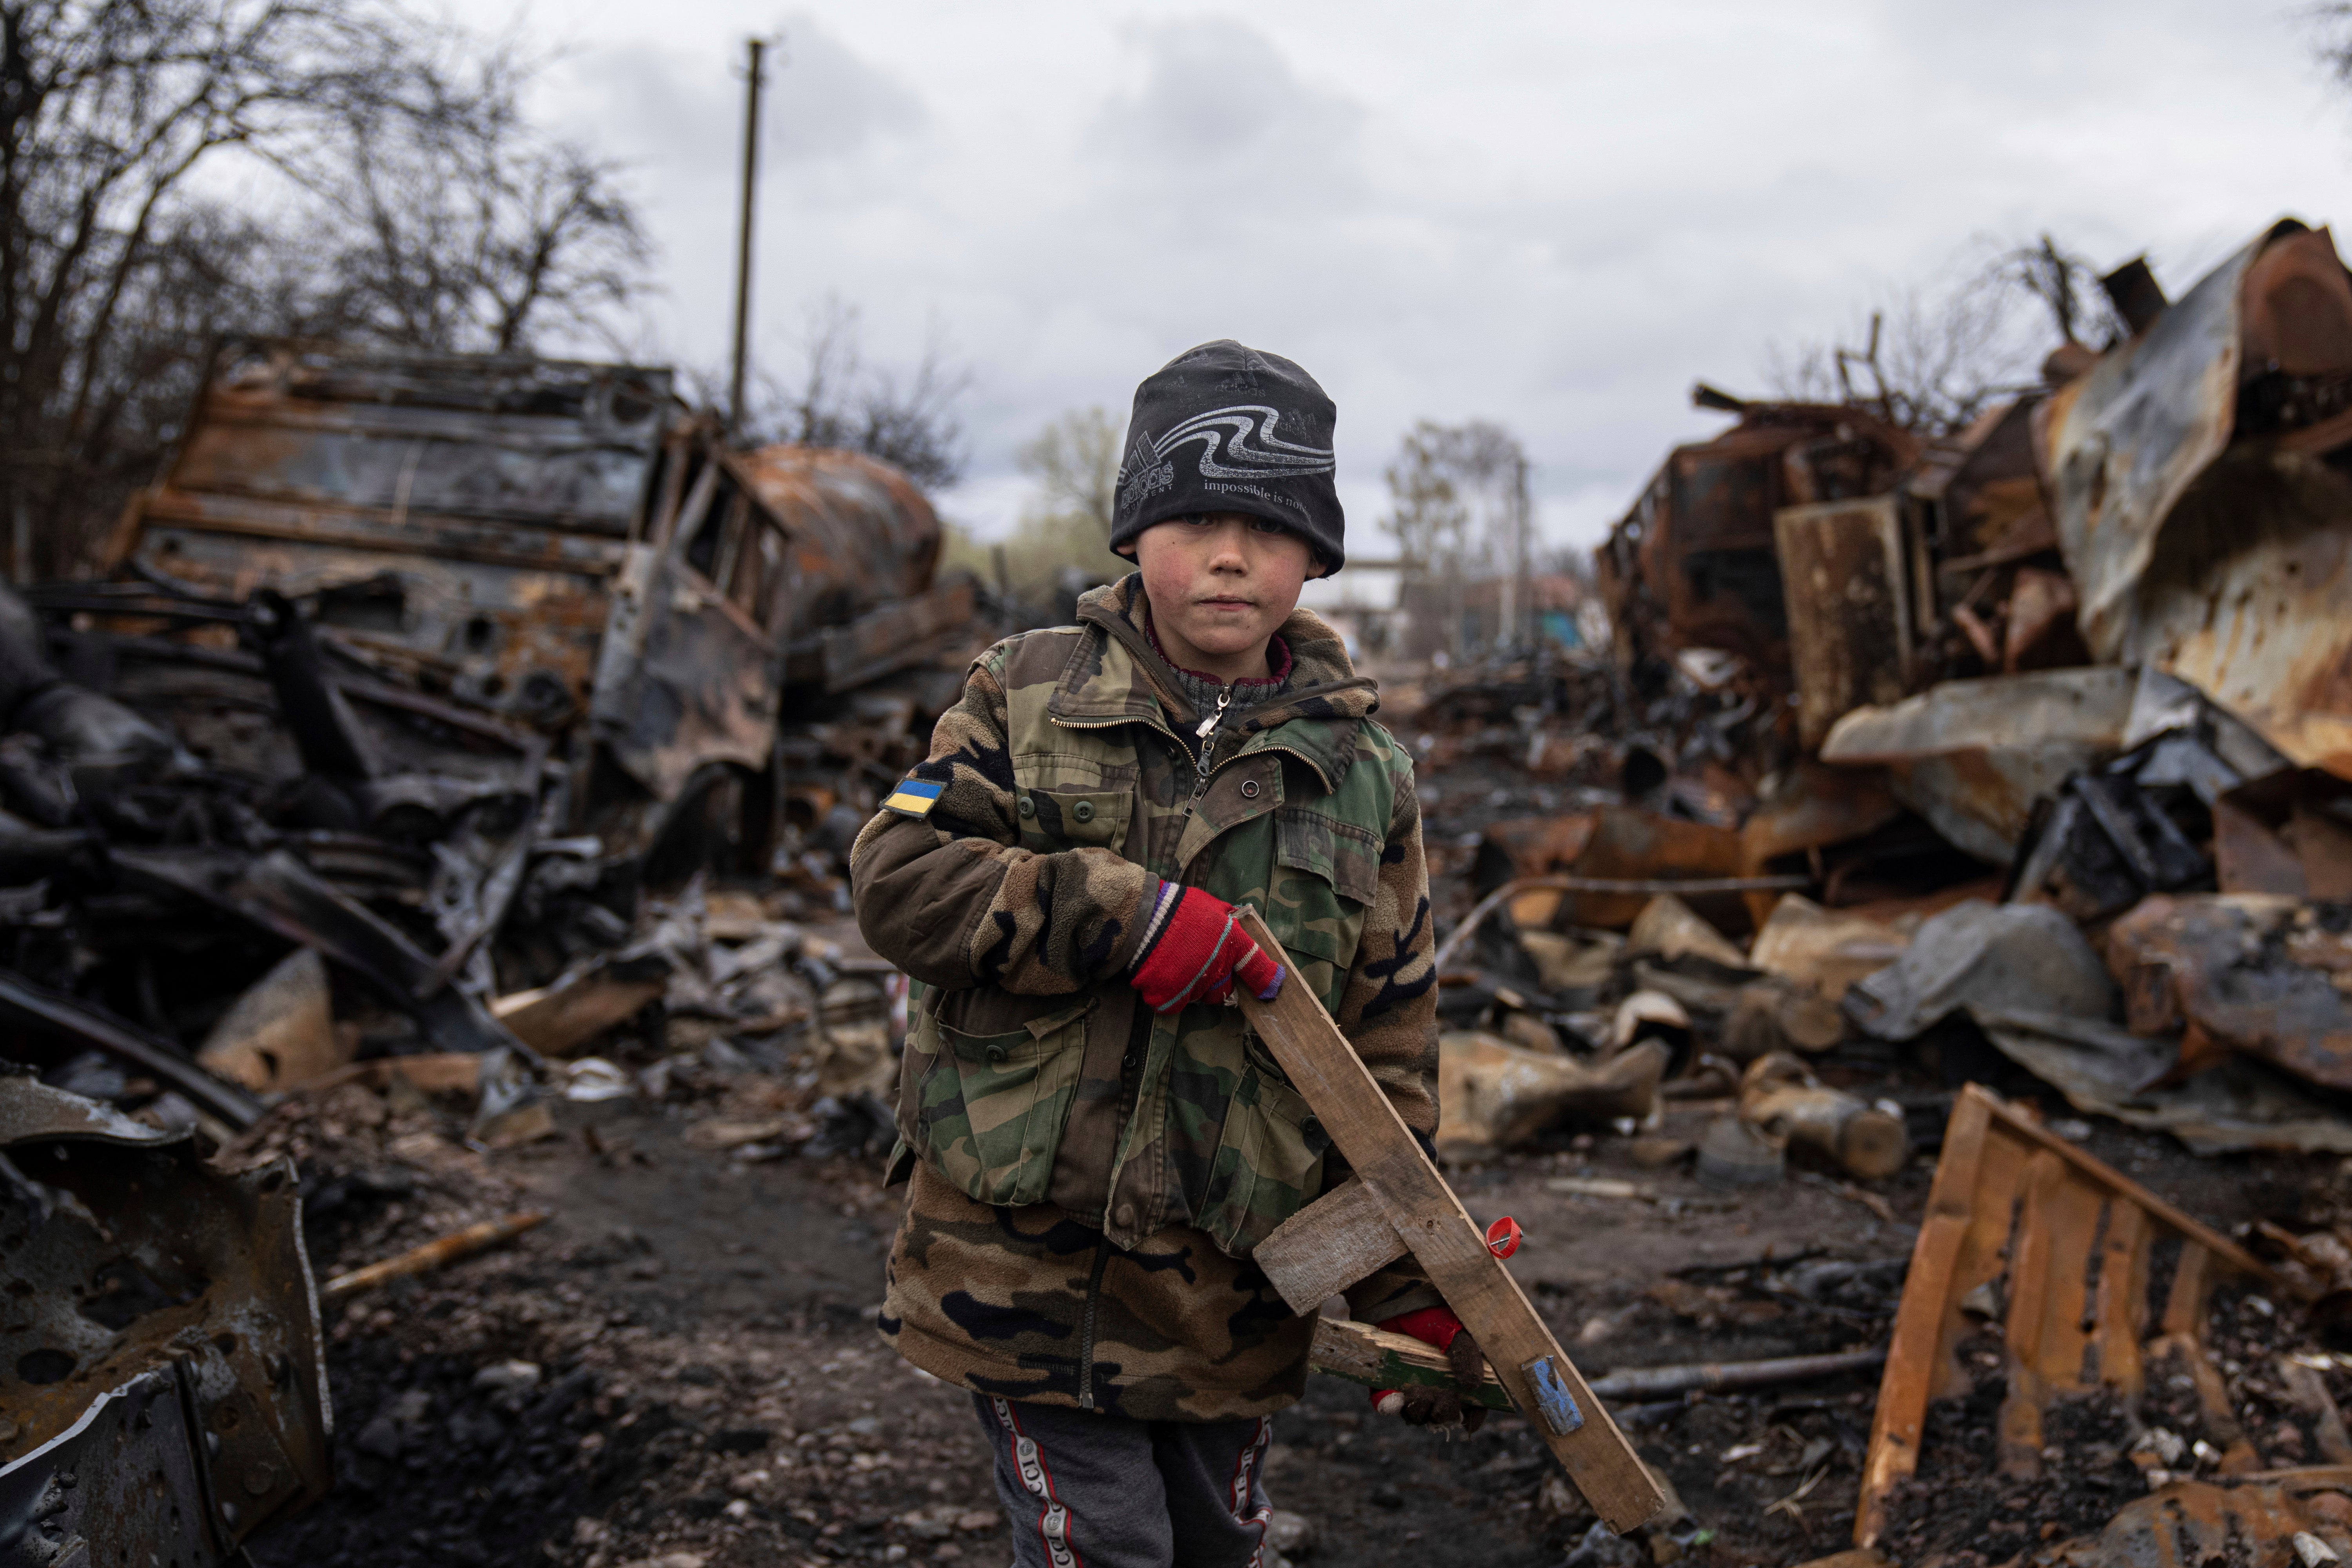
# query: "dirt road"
680,1364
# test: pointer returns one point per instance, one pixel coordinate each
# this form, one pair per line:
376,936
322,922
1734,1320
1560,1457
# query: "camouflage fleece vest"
1128,1121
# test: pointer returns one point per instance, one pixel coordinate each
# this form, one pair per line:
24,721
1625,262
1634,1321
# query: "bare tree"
106,108
1428,515
2067,286
423,212
1932,361
2332,38
456,227
1458,503
907,420
1457,490
1075,462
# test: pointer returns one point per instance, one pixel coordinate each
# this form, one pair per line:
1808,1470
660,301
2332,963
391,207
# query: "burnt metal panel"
2125,440
162,1383
1972,757
1693,566
789,565
861,535
124,1484
488,500
686,677
2255,972
2220,553
882,640
1841,566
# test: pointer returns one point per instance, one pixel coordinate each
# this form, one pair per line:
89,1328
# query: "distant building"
1386,610
1469,618
1360,604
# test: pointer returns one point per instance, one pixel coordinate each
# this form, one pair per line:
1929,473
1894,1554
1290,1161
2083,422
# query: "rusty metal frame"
2070,1237
203,1414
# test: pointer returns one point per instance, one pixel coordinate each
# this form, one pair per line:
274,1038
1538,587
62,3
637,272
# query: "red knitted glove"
1193,950
1437,1407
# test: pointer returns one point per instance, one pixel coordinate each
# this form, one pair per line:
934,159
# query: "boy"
1094,1144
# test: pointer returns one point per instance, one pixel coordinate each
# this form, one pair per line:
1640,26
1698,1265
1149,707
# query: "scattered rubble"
447,789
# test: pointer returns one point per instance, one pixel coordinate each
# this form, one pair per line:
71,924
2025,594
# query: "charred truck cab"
542,559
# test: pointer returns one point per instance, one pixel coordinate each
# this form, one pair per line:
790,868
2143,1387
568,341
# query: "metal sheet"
2255,972
491,499
885,639
2226,564
1971,756
2123,441
828,554
161,1272
686,680
122,1484
2245,596
1842,567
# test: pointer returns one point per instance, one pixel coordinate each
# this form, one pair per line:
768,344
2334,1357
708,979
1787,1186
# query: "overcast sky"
1554,215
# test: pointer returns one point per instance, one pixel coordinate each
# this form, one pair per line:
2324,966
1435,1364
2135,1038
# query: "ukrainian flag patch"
914,797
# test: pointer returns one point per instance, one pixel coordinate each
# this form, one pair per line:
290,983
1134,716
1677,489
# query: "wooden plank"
1338,1239
1991,1208
1322,1066
1379,1358
2122,1307
1912,1353
2184,1306
2073,1215
2030,1280
2114,1181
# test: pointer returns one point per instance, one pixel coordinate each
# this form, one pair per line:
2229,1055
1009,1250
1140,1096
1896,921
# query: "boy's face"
1220,587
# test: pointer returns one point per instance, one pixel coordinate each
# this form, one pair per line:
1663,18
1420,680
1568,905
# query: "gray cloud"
828,102
1221,123
683,113
1556,215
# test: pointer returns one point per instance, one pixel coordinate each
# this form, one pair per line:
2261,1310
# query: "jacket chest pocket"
1268,1165
988,1110
1053,819
1325,877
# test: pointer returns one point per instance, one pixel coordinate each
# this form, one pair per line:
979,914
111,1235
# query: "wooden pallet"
1398,1203
2024,1226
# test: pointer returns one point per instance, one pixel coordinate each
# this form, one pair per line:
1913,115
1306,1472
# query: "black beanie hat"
1227,428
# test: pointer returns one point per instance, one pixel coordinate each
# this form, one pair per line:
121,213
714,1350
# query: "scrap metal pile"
455,711
436,722
2023,757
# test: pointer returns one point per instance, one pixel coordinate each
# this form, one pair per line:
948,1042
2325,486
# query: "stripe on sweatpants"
1244,1481
1053,1519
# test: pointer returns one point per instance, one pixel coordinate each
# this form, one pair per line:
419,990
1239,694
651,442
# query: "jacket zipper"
1207,733
1087,1326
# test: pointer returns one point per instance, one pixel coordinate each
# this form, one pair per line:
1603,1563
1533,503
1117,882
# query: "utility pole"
1522,633
743,237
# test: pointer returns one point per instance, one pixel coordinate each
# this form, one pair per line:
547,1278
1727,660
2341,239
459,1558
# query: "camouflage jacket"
1088,1179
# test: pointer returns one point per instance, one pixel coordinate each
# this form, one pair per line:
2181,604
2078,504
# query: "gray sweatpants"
1088,1491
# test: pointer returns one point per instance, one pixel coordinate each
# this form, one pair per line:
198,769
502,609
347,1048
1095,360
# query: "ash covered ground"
680,1366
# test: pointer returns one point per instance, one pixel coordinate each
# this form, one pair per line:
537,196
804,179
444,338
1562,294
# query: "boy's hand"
1192,951
1437,1407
